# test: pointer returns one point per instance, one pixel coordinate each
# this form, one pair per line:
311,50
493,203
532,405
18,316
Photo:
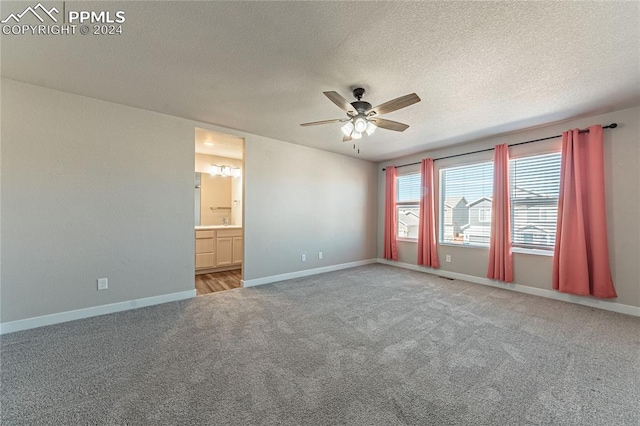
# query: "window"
484,215
408,205
465,204
448,215
535,185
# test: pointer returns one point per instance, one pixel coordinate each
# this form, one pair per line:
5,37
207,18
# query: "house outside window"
535,186
484,215
408,205
465,204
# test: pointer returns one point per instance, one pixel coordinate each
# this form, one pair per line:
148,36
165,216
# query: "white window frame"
442,195
407,204
404,206
544,213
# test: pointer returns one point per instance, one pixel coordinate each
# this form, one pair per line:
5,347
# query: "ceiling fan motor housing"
361,106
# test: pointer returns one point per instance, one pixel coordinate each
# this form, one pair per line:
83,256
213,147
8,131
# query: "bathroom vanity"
218,248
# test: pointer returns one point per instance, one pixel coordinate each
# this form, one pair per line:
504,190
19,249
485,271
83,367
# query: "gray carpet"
374,345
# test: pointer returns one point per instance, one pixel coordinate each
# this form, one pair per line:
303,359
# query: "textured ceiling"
481,68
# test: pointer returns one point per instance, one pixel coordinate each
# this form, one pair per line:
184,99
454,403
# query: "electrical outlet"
319,255
103,284
447,258
303,257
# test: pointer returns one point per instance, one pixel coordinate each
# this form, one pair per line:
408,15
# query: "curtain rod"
610,126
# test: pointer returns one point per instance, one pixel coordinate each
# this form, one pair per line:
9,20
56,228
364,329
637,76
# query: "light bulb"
347,128
356,135
370,128
360,124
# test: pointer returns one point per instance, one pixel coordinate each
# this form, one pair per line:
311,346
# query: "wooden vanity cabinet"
227,241
219,248
205,249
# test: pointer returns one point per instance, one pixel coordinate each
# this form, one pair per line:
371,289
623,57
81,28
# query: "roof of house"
530,226
408,218
478,201
454,201
521,192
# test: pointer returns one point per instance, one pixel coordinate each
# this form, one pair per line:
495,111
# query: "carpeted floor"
374,345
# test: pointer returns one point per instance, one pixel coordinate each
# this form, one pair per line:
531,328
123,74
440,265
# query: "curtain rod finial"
613,125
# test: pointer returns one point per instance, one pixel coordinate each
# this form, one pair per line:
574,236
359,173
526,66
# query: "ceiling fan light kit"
362,118
370,128
347,128
360,123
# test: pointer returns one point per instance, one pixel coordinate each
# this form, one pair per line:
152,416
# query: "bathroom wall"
219,192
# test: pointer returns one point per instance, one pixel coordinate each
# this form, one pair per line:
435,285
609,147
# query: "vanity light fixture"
224,171
215,170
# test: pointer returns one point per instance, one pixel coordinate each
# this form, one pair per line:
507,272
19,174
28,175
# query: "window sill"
475,246
519,250
407,240
522,250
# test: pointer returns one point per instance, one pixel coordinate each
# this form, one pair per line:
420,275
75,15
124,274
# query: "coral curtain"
581,256
390,216
427,247
500,255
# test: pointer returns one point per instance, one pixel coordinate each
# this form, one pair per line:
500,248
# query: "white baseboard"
550,294
305,273
27,323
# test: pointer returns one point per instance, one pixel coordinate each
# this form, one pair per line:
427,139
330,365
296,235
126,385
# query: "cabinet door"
204,245
223,251
237,250
205,260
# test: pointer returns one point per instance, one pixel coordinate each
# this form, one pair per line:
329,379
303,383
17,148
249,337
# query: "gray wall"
91,189
94,189
622,174
302,200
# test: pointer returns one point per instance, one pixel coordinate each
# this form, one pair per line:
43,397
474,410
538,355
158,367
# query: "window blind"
465,202
535,186
408,188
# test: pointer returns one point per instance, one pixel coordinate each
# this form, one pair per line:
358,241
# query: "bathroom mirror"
217,200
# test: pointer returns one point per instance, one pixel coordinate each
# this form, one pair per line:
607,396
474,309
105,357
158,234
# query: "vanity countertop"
198,228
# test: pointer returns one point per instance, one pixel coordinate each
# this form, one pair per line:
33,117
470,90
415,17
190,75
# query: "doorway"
218,207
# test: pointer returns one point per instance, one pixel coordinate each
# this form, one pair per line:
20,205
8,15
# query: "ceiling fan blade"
395,104
390,124
339,100
316,123
346,138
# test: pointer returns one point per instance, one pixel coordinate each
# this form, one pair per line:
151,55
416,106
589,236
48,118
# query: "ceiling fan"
362,118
